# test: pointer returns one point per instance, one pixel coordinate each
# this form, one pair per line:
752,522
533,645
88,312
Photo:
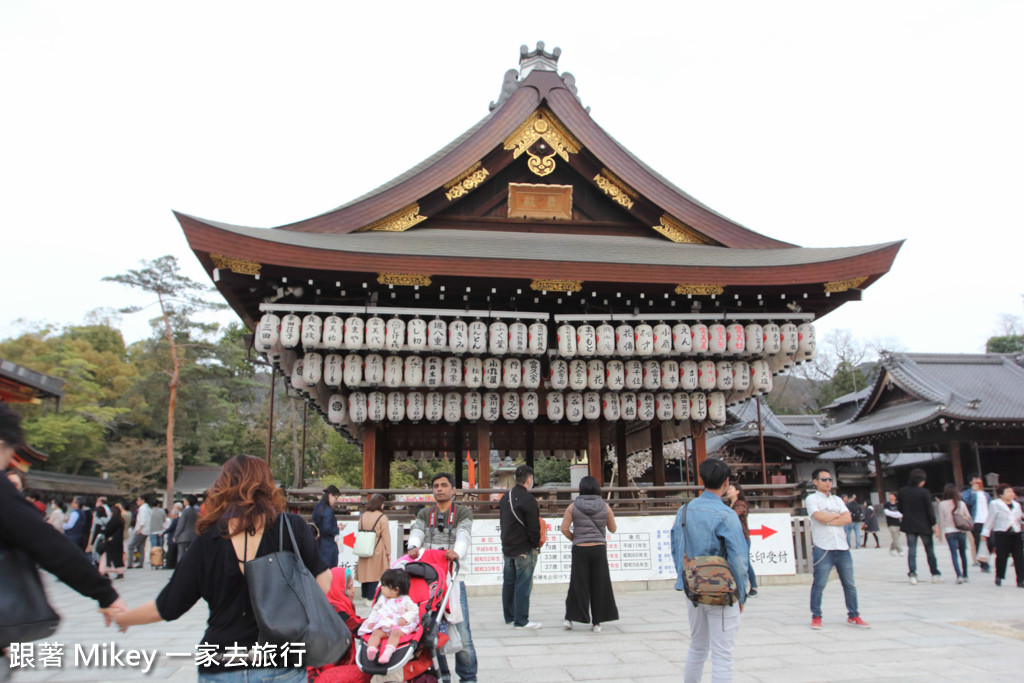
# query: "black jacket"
915,502
519,538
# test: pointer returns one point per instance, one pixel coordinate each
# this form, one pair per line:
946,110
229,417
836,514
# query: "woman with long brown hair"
946,526
737,500
370,569
240,521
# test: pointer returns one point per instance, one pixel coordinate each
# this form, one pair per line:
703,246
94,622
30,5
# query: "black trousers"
590,598
1009,543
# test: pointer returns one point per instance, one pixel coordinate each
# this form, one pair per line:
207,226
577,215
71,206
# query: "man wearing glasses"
828,516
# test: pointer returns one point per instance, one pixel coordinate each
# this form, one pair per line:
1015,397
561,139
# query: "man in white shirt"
828,516
143,516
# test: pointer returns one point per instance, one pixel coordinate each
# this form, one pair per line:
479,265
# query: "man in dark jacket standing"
185,532
915,502
520,544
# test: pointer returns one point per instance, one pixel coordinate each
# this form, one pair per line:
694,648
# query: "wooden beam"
657,456
700,449
958,468
530,444
620,452
483,450
594,464
369,454
879,479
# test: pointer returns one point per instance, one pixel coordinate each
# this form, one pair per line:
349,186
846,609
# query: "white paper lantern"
497,335
291,331
354,332
605,339
625,341
396,406
670,374
652,374
701,338
452,407
312,331
478,336
458,336
559,377
415,406
434,410
394,334
413,371
416,333
531,373
472,405
586,340
627,405
682,339
615,375
595,374
610,406
518,337
716,407
337,409
334,369
510,406
761,377
740,376
353,376
634,374
268,333
312,368
529,405
577,375
473,372
591,405
736,338
492,373
298,380
772,338
437,335
433,373
555,405
662,339
688,375
755,339
790,340
511,373
807,341
723,375
663,406
376,406
643,336
681,406
394,371
574,407
452,372
706,376
538,340
373,369
376,332
698,406
357,407
718,340
566,334
645,406
491,406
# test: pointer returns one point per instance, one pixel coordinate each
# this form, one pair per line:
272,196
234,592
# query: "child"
393,615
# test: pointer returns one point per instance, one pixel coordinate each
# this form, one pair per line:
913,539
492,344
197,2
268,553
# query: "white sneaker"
532,625
913,580
938,579
567,625
596,628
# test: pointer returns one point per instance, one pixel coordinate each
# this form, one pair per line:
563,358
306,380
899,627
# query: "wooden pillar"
879,479
620,452
483,450
594,464
658,457
958,468
369,454
530,444
461,455
458,469
700,450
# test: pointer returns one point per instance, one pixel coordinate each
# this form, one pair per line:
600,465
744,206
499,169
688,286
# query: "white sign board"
771,543
640,550
347,538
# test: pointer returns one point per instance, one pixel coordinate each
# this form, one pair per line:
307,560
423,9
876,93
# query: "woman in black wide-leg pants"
590,598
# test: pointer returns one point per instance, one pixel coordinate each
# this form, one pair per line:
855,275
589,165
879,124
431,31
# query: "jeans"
958,549
929,551
824,560
465,659
712,628
518,583
750,568
243,675
851,529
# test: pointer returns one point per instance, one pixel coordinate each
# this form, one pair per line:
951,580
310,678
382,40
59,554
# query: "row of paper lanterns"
499,338
433,372
452,407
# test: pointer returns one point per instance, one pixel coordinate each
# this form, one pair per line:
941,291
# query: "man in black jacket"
520,544
915,502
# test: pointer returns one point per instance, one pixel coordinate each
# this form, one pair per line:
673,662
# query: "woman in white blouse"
1003,525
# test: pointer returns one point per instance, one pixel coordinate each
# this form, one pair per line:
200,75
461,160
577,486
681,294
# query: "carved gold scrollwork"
539,285
406,279
844,285
615,188
700,290
466,182
399,221
677,232
235,265
542,125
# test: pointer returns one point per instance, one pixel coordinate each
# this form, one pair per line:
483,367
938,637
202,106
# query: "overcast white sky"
819,123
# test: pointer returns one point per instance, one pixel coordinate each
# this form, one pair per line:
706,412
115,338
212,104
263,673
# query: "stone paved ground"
935,632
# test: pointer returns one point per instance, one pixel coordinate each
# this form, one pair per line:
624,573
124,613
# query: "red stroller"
430,586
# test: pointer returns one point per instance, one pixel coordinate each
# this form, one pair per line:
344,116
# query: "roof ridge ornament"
538,59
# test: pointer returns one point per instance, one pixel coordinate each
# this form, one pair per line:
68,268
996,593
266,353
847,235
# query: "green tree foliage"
1009,337
547,470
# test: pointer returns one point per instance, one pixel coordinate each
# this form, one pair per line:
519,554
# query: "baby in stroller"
394,615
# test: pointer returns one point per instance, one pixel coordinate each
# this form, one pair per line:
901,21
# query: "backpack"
707,578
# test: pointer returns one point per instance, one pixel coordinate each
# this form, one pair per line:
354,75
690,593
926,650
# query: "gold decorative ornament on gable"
843,285
404,279
542,125
700,289
677,232
615,188
541,285
466,182
235,265
399,221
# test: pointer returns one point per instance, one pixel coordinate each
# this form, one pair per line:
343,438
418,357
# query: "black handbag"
25,614
290,607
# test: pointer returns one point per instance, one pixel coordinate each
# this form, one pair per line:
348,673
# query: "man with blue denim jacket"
712,528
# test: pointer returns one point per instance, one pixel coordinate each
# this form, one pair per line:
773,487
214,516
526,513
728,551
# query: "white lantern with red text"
373,369
577,375
682,339
625,342
452,371
416,334
357,407
291,331
595,374
574,407
701,338
518,337
312,331
472,405
615,375
610,406
706,375
497,335
634,374
413,371
772,336
566,334
354,332
437,334
591,405
491,410
478,336
652,374
605,339
807,342
736,339
512,373
755,339
458,336
716,407
396,406
531,373
688,375
394,371
723,372
529,406
538,339
337,409
789,338
334,369
492,373
415,405
670,374
452,407
433,373
586,340
473,372
698,406
681,406
718,340
555,405
434,411
268,332
558,379
627,405
376,333
353,376
644,339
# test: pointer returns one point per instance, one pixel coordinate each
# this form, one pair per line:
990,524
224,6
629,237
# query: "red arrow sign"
350,540
764,532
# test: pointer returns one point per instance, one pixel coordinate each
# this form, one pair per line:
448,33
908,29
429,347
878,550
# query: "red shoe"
857,621
816,623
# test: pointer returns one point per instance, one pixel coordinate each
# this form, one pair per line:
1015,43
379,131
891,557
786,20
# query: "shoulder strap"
512,507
